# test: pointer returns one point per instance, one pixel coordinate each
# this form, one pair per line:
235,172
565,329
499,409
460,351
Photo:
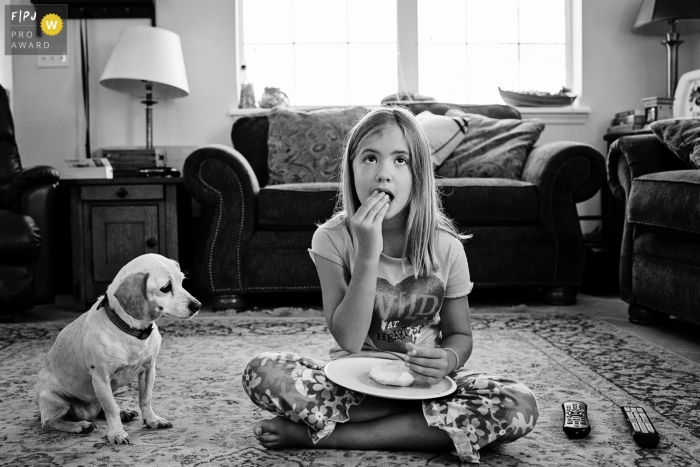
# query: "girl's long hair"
425,216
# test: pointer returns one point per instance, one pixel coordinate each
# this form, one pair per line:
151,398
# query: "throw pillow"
492,148
306,146
444,133
682,137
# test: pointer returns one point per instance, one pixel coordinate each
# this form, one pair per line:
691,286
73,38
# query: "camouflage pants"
485,408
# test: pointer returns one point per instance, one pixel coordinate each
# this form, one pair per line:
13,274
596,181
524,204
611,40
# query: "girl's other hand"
366,225
427,364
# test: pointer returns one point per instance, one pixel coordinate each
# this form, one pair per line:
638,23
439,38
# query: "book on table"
127,161
97,167
629,113
628,121
658,108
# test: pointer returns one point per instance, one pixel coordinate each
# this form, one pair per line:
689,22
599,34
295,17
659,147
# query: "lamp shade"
654,15
145,53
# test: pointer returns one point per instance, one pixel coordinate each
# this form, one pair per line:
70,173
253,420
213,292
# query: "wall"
49,104
619,69
6,62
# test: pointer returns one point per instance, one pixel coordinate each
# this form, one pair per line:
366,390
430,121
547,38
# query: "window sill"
549,115
236,113
557,115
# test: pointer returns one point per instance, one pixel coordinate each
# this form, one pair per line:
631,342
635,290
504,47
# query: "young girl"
395,281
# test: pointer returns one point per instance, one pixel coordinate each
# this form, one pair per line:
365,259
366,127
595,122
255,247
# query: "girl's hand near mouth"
366,225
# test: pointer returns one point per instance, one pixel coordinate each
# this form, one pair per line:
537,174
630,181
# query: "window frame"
407,44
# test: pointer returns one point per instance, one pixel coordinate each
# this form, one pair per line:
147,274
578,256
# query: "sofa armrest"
222,180
565,173
29,178
631,157
566,168
31,193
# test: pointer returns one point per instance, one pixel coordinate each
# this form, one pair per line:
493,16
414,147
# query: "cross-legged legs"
485,409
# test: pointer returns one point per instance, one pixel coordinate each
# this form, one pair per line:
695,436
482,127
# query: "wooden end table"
112,222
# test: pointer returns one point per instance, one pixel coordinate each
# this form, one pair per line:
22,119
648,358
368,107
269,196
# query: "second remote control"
576,419
643,432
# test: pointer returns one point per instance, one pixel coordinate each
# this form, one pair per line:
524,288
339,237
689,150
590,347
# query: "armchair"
26,197
660,258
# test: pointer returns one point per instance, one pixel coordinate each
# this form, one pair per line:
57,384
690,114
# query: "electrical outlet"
52,61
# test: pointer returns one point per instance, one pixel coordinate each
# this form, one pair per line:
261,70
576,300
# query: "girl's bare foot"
279,432
403,431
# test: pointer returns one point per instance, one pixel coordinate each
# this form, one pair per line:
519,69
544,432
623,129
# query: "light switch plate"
52,61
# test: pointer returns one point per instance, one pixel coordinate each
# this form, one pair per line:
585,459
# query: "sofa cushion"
296,206
467,201
489,201
682,137
492,148
667,202
307,147
444,134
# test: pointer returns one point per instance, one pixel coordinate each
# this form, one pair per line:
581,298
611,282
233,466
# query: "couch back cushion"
249,137
307,147
249,134
444,134
682,137
491,148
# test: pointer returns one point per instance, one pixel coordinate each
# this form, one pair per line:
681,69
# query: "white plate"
685,104
353,373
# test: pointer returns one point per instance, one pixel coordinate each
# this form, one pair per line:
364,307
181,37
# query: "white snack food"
391,373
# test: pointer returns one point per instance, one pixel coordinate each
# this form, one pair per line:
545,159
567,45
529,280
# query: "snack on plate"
391,373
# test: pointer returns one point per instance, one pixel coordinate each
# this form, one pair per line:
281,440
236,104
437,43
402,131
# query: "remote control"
576,419
643,432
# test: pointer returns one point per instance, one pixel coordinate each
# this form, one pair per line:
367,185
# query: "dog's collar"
142,334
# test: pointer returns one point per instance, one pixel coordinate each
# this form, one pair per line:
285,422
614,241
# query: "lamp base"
672,43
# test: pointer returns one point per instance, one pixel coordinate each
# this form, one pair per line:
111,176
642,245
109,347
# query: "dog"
105,348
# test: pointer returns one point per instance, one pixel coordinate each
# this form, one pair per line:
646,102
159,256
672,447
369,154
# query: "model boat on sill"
538,98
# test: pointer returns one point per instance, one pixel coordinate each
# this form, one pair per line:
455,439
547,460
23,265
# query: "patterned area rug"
560,356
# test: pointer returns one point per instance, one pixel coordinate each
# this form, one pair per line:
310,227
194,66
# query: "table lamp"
147,62
671,17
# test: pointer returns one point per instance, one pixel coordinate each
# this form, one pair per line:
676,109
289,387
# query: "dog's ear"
132,295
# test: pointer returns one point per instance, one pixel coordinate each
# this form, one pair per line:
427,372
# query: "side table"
112,222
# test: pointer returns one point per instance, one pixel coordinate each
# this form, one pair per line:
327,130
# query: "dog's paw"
85,427
128,415
157,422
118,436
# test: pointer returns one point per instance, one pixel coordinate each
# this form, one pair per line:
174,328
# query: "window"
341,52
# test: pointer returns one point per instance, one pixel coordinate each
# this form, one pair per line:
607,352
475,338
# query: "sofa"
26,197
660,257
252,235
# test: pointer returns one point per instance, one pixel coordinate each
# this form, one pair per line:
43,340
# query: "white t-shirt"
406,309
